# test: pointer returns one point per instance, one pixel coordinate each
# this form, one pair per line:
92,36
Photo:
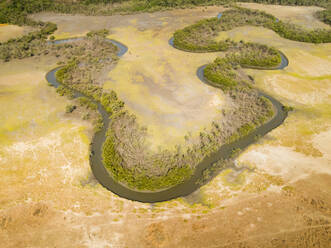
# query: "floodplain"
277,189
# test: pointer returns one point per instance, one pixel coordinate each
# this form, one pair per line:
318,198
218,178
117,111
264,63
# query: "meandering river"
193,183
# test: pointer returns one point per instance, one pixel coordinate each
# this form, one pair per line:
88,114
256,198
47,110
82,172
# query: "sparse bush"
102,33
65,91
86,116
325,15
70,108
288,108
84,101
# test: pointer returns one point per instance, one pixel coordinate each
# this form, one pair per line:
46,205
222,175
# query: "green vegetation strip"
17,11
200,36
110,181
136,182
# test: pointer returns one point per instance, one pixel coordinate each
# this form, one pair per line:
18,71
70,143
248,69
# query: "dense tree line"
16,11
199,37
322,3
32,44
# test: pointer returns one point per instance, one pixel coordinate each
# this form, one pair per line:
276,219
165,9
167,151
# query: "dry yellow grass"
157,82
12,31
47,197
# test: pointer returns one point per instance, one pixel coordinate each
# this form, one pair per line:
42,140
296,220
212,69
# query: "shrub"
84,101
139,180
288,108
221,73
64,91
102,33
70,108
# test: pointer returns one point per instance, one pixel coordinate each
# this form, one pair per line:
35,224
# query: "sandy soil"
278,197
12,31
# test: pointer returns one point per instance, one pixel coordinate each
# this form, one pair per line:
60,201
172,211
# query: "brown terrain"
279,196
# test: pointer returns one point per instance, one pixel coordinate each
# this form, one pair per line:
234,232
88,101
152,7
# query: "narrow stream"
192,184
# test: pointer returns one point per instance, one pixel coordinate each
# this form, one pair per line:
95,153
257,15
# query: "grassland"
126,151
47,194
12,31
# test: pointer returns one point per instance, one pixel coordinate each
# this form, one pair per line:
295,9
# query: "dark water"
191,184
122,48
284,63
171,41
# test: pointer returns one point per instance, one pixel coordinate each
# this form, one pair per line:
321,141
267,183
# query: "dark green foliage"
28,45
62,74
325,15
255,55
98,124
288,108
139,180
236,151
245,129
221,73
241,132
193,38
65,91
199,37
106,7
47,29
70,108
77,75
268,105
102,33
84,101
16,11
111,103
321,3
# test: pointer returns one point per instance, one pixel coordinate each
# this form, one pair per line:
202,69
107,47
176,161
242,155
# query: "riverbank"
48,194
183,189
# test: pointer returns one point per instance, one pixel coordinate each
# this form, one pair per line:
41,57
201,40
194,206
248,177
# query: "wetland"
47,160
